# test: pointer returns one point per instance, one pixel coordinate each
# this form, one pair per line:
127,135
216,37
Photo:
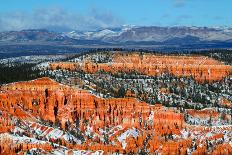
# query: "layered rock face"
199,67
50,101
80,120
64,65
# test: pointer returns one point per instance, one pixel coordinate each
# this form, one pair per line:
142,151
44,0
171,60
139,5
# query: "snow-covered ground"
32,59
130,132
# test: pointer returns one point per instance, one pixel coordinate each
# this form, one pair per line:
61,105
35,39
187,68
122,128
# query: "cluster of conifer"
18,72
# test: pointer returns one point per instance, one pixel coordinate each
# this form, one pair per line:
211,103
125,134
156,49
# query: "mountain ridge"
137,35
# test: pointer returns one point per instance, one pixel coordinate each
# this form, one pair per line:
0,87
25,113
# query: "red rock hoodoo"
199,67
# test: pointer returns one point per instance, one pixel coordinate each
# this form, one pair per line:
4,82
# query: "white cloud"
179,3
59,18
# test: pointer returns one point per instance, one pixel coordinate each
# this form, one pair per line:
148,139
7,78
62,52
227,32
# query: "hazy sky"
93,14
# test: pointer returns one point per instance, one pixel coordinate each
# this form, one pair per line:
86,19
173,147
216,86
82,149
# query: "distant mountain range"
31,36
155,34
126,35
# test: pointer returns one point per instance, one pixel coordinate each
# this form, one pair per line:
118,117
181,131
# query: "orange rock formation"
51,101
199,67
48,100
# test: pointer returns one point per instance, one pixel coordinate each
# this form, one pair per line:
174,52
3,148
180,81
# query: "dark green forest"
18,72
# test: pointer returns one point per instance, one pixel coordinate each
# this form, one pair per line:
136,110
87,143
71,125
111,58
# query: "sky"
97,14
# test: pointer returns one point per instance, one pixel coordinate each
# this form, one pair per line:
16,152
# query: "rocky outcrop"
52,102
199,67
7,146
64,65
49,100
123,125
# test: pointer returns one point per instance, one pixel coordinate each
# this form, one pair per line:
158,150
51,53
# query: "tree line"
18,72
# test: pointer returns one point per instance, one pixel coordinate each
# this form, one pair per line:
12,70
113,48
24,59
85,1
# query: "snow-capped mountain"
91,35
135,35
103,34
155,34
